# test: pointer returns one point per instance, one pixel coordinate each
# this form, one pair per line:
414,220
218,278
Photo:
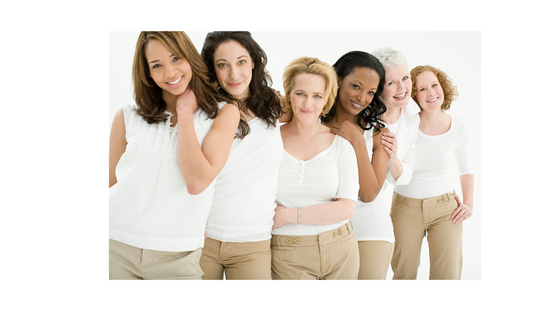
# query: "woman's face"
171,73
307,97
429,93
356,90
233,66
397,89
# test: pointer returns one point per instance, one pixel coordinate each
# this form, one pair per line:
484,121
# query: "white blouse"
149,206
329,175
244,200
435,160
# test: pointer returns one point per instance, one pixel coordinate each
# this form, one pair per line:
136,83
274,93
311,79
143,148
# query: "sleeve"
348,173
408,159
461,153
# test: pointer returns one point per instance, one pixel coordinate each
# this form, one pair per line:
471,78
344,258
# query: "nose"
171,71
362,97
233,72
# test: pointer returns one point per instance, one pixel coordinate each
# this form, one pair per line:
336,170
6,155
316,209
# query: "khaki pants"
412,220
333,255
375,257
131,263
239,260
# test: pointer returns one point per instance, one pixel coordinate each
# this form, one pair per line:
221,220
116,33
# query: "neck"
170,101
341,115
304,129
431,116
391,115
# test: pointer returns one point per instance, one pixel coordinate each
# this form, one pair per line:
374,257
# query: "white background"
54,87
462,63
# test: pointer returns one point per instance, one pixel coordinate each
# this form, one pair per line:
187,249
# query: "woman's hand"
462,212
390,145
187,102
280,218
348,131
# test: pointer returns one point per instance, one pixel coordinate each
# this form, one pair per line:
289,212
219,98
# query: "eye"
355,86
318,96
371,93
434,85
390,83
175,59
405,78
155,66
421,89
300,93
222,65
242,62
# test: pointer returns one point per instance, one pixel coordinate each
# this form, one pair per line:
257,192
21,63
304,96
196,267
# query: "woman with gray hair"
371,220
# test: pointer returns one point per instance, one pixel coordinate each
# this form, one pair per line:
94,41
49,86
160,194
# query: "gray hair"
389,57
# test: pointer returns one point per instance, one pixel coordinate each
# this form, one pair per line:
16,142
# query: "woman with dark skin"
356,117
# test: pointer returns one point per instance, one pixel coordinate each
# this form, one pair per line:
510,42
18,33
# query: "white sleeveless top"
149,206
244,200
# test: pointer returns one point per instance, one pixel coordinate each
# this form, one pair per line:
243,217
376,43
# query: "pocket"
398,207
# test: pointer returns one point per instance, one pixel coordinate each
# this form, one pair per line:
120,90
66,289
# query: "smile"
399,97
175,81
236,84
432,100
356,105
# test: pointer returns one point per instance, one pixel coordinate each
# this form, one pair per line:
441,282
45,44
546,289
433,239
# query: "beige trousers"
415,218
375,257
239,260
131,263
333,255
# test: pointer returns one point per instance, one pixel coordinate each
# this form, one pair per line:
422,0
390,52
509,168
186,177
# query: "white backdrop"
456,53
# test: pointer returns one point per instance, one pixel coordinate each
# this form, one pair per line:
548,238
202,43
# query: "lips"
357,105
433,100
175,82
235,84
400,96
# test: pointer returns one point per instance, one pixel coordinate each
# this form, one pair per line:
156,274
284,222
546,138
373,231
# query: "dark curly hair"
369,117
262,99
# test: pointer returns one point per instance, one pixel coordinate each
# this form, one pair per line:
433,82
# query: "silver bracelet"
299,210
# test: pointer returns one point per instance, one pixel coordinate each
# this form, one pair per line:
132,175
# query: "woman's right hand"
187,102
280,217
348,131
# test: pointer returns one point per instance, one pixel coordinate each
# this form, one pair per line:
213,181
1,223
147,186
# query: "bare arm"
117,144
199,167
465,209
371,173
319,214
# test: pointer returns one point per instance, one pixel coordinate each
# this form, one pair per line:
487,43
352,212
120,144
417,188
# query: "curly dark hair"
262,99
369,117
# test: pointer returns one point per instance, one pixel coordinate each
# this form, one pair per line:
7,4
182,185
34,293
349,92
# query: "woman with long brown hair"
163,158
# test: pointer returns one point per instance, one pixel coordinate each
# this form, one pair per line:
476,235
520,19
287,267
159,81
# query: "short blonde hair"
450,92
313,66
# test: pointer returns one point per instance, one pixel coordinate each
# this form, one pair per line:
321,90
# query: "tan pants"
239,260
375,257
333,255
412,220
131,263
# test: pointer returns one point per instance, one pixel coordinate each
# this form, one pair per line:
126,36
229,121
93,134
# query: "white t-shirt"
329,175
149,206
434,161
244,200
371,221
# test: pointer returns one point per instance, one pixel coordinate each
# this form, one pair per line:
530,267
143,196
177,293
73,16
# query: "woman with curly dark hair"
356,116
241,216
428,205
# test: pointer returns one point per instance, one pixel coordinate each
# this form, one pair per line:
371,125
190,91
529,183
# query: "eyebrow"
156,60
223,59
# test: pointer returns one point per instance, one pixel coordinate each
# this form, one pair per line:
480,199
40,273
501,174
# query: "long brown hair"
148,95
261,99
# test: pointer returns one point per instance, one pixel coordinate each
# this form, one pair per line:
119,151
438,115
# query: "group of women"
213,172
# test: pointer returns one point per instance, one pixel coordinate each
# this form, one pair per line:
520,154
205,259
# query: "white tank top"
149,206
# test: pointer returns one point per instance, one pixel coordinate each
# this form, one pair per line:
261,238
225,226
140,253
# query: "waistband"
446,197
313,240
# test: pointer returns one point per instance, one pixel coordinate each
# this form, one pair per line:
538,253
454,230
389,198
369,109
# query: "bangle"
299,210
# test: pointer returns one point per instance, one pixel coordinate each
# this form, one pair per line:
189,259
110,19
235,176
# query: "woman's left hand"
390,145
187,102
462,212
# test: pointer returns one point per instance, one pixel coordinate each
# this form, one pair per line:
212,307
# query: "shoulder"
458,123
